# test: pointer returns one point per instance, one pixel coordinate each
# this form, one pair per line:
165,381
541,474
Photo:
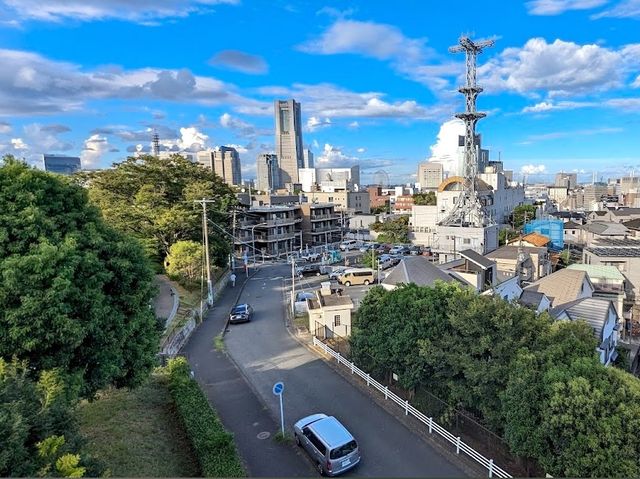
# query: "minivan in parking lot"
357,276
332,448
348,245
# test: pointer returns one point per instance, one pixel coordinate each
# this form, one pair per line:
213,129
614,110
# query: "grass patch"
218,343
138,433
285,438
301,321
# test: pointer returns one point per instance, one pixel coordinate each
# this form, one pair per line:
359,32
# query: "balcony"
324,229
330,216
276,237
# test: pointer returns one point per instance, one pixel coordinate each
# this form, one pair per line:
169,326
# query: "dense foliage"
152,199
537,382
184,262
74,293
393,230
522,214
212,444
425,199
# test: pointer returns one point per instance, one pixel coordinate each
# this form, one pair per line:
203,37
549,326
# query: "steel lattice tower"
468,210
156,144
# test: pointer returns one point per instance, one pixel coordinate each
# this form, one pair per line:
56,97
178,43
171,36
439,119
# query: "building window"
336,320
466,241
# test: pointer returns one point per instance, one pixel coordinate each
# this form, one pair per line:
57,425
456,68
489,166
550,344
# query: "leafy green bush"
213,445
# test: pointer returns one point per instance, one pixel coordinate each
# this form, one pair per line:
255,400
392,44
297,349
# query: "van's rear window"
342,451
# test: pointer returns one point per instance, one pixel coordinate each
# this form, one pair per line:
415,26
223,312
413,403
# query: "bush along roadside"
213,445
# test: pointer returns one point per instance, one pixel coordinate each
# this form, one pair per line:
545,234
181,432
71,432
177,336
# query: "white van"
357,276
348,245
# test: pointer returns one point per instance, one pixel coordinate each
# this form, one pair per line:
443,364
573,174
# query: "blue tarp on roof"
553,229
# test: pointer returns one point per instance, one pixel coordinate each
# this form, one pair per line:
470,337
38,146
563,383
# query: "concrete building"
269,231
608,283
376,197
224,161
307,177
510,261
63,165
593,194
288,139
307,158
351,202
403,204
567,180
558,194
267,172
452,239
330,314
430,175
320,224
332,179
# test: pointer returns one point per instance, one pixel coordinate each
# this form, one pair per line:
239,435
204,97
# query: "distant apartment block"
308,158
567,180
288,139
63,165
267,172
270,231
430,175
320,224
348,201
224,161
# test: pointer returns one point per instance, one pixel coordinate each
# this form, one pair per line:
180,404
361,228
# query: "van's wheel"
298,440
320,468
347,283
366,282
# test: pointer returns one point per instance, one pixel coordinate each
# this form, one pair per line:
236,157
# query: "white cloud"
354,125
549,105
445,150
636,83
141,11
241,149
95,147
32,84
572,133
240,61
19,144
315,123
192,139
558,68
332,156
533,169
315,144
361,150
556,7
624,9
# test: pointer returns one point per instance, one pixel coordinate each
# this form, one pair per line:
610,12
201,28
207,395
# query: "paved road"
267,353
163,302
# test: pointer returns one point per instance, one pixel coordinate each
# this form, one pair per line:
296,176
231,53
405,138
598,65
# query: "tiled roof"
531,298
625,211
570,225
511,252
606,228
560,287
598,271
418,270
633,224
534,238
594,311
477,258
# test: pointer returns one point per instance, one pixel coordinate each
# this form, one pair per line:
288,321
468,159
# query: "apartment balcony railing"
329,216
324,229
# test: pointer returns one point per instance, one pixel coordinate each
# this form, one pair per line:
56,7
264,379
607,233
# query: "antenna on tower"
156,144
468,210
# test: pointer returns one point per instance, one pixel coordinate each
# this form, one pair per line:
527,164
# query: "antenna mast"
468,210
156,144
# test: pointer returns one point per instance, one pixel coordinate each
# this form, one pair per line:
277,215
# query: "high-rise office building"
64,165
288,139
267,172
567,180
224,161
308,158
430,175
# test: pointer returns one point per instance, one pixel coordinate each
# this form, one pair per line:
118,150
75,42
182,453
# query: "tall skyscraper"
308,158
568,180
430,174
267,172
64,165
224,161
288,139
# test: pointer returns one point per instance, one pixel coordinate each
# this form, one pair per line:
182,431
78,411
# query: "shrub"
213,445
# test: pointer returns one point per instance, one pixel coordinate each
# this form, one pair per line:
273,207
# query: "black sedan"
241,313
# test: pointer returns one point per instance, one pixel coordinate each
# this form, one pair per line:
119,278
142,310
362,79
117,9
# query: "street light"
253,240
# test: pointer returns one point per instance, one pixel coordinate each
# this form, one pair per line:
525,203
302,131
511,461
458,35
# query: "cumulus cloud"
191,139
241,128
559,68
445,149
95,147
315,123
556,7
361,150
354,125
36,139
240,61
140,11
333,156
18,144
32,84
549,105
624,9
533,169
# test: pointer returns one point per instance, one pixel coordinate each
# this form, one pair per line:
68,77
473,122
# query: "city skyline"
377,87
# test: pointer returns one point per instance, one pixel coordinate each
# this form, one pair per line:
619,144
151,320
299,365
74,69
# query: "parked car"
351,276
309,270
241,313
331,446
348,245
310,256
368,247
383,248
304,295
337,272
415,250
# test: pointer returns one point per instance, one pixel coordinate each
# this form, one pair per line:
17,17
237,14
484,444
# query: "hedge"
213,445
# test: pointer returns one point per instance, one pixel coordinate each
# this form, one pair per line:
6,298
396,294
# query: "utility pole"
293,287
206,252
233,233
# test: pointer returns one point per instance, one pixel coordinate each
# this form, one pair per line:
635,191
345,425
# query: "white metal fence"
409,409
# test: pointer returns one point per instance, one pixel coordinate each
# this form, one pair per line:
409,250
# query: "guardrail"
460,445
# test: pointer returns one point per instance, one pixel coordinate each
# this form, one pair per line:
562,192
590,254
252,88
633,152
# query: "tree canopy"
152,199
74,293
428,199
535,381
522,214
395,230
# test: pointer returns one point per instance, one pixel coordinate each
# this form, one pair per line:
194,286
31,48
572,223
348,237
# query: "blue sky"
376,82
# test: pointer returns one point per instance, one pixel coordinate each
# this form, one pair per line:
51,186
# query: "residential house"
565,216
601,230
508,260
535,300
596,216
509,289
473,268
620,215
572,232
534,240
415,269
601,315
633,226
564,286
330,314
608,283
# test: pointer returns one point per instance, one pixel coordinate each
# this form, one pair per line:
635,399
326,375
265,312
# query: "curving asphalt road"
266,353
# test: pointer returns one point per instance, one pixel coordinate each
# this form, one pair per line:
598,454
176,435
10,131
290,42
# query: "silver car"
332,448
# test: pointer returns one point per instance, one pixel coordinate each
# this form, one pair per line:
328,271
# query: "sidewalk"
239,408
163,302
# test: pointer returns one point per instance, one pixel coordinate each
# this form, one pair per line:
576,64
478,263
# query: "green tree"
370,259
380,209
506,234
74,293
152,199
184,262
428,199
395,230
522,214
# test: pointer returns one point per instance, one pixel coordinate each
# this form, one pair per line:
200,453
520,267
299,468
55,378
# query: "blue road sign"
278,388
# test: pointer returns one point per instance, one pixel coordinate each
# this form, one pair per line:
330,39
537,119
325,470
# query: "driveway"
266,353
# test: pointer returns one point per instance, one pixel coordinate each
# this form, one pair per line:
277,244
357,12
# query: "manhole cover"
264,435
